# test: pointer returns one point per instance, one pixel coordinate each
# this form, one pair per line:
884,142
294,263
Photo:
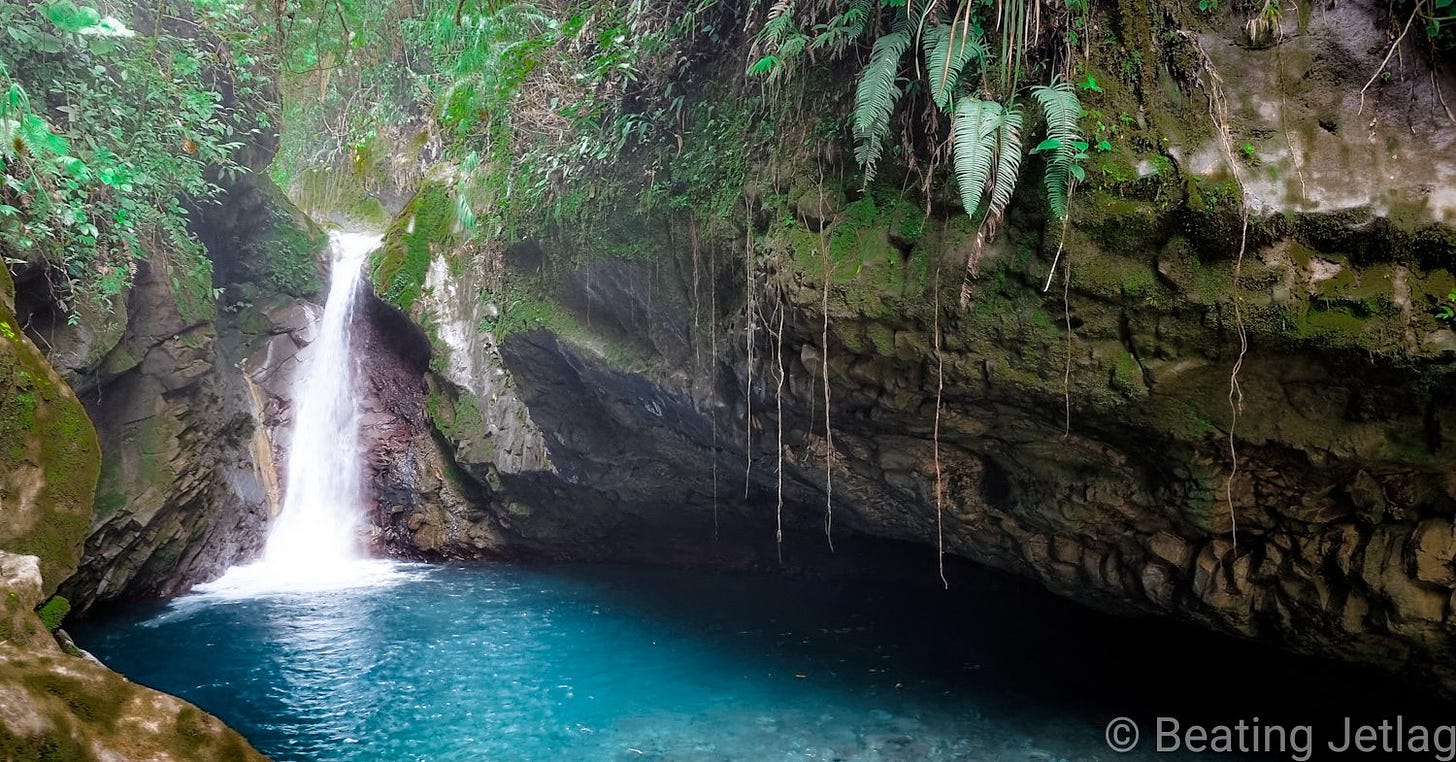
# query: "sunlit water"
614,663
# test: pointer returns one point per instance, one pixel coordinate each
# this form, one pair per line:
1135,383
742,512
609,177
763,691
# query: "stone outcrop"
60,703
192,405
57,702
49,462
1096,460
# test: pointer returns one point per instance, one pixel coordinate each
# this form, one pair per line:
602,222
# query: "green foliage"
948,48
1446,310
987,152
1063,146
875,97
400,265
106,133
53,612
1439,17
783,39
986,137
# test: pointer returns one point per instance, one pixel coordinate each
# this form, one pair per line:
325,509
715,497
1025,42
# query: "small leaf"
47,43
1050,144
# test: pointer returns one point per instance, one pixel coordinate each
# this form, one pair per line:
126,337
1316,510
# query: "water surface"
621,663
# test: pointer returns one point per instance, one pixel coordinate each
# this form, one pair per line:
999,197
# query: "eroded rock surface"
57,703
60,704
193,406
1083,442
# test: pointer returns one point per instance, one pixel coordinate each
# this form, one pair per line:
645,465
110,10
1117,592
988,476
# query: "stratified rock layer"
1082,439
55,703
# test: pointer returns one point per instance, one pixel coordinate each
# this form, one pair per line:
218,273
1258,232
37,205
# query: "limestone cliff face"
192,405
55,702
1082,439
50,459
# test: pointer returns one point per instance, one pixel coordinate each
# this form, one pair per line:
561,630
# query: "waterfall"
321,498
314,544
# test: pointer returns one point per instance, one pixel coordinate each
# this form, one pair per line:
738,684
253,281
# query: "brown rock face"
56,704
193,411
1088,442
66,705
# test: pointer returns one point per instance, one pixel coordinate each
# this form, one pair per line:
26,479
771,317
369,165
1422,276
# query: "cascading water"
321,498
314,544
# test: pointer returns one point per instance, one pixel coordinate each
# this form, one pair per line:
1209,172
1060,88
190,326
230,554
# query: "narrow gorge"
725,380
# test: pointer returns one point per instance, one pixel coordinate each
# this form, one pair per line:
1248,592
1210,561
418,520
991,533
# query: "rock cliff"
57,702
638,384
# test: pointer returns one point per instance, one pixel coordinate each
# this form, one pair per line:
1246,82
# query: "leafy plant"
948,49
876,95
54,612
986,133
1063,146
106,134
1446,311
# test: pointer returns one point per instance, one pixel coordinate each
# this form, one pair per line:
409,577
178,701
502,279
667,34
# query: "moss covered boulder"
56,705
48,456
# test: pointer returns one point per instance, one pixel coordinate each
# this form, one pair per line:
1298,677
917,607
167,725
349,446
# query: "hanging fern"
1008,162
980,126
1063,146
780,42
986,151
875,97
841,31
948,49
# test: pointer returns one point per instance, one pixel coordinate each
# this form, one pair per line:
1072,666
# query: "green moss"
1127,373
53,612
1334,326
424,228
49,439
291,255
56,744
882,338
458,418
91,701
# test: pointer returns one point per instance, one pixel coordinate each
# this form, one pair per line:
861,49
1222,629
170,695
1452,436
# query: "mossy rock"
425,227
77,710
49,459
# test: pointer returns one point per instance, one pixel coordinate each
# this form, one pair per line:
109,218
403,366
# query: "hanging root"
935,432
1066,309
779,401
1218,113
713,372
1393,47
752,321
824,373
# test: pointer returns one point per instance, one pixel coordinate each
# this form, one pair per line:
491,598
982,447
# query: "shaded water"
621,663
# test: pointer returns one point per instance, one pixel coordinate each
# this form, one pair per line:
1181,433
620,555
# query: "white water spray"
314,544
321,498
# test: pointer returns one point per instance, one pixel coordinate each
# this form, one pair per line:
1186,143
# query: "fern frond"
1008,160
948,48
1063,143
793,46
875,97
776,30
986,151
973,148
779,9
